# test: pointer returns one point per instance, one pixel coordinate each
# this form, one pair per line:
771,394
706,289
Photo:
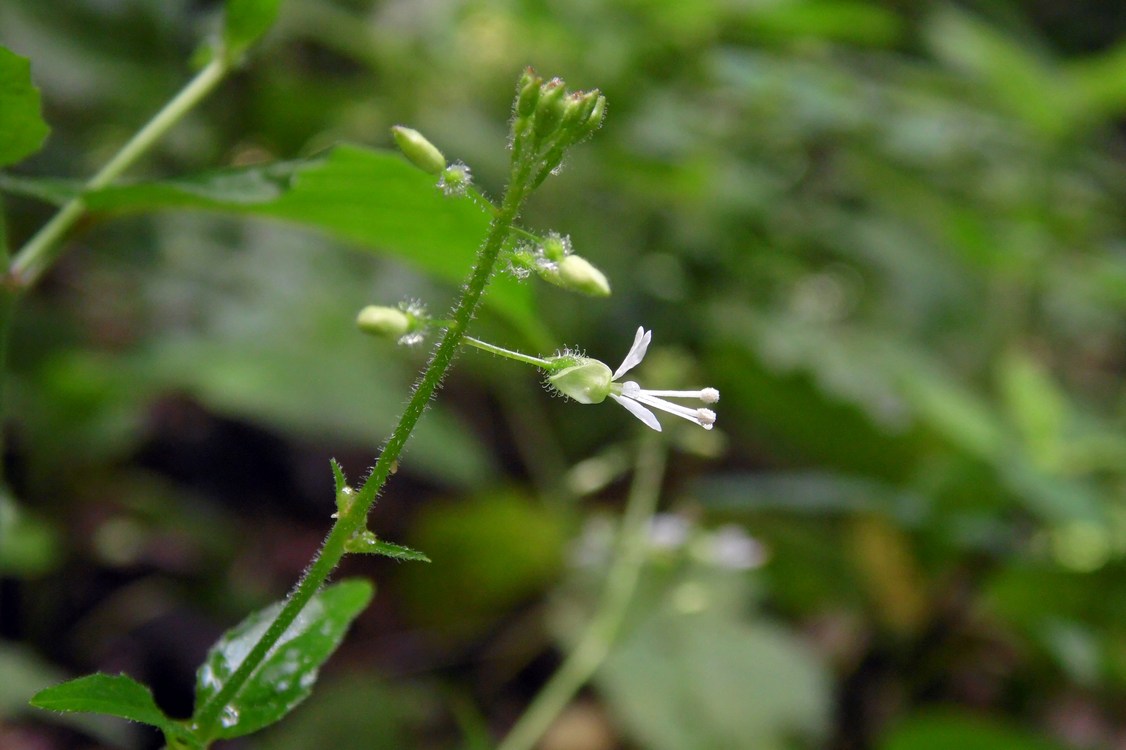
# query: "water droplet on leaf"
229,718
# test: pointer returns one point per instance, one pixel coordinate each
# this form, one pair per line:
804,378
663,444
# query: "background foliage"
890,233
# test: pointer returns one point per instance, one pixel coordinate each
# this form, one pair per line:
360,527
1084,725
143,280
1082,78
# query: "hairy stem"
621,582
41,250
354,520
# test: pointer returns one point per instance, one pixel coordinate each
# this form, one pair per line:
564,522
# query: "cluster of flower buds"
406,324
548,120
553,261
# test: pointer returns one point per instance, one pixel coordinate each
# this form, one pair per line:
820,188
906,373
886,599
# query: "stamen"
707,395
706,418
693,415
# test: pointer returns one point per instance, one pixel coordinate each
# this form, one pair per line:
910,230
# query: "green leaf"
943,730
359,195
367,543
338,478
258,367
25,672
118,695
1037,407
246,22
55,191
687,681
22,129
286,676
844,20
1029,87
29,545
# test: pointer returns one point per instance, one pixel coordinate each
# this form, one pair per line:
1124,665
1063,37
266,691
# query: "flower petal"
638,411
636,352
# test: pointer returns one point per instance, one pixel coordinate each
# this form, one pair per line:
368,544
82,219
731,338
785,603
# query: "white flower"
635,398
589,381
731,547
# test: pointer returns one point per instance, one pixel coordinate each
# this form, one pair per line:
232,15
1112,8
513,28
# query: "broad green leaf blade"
22,129
707,680
370,197
286,676
118,695
246,22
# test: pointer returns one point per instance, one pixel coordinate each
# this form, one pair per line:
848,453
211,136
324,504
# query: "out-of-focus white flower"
731,547
668,531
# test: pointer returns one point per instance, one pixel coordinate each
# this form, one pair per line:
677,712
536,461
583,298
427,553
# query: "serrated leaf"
359,195
22,129
246,21
113,695
286,676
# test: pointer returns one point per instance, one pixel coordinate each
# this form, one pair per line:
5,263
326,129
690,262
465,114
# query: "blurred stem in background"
42,249
37,255
595,644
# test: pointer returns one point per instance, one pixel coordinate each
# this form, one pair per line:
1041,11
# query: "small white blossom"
636,399
668,531
731,547
590,381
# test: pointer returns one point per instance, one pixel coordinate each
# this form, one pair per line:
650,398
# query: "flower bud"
549,108
577,108
587,381
387,322
576,274
418,150
528,92
594,121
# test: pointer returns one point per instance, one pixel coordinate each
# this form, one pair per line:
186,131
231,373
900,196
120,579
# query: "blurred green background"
892,234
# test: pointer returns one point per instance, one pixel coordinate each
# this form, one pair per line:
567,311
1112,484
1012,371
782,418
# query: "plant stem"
355,519
500,351
621,582
41,250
